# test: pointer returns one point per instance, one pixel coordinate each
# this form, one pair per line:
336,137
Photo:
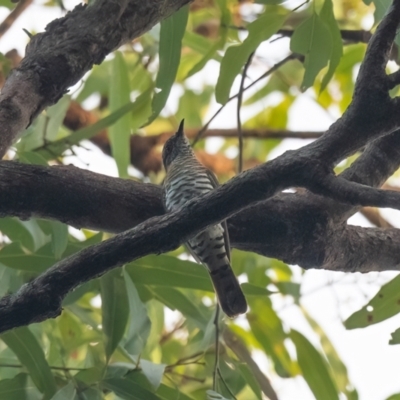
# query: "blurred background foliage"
146,331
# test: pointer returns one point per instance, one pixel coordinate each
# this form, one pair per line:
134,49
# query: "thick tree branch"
58,58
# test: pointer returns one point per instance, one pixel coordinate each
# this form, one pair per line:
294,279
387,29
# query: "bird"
186,178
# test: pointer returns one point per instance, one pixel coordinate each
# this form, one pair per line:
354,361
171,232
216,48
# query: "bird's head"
176,145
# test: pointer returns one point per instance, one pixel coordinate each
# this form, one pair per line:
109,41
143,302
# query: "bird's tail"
228,290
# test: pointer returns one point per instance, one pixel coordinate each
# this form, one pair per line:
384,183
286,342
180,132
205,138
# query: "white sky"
373,364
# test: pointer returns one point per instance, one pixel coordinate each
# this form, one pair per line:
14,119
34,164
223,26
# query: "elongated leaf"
15,388
394,397
14,257
17,232
383,305
25,346
119,132
212,395
68,392
251,380
29,157
253,290
313,39
140,324
328,18
129,390
59,146
176,300
169,271
59,238
339,370
314,368
171,34
168,393
236,56
268,330
115,309
55,116
153,372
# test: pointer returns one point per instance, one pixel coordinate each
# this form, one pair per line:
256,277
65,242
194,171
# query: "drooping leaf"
153,372
169,271
128,390
251,380
267,328
313,39
68,392
328,17
212,395
171,34
140,324
315,369
236,56
59,238
385,304
115,309
176,300
338,368
25,346
15,388
59,146
119,132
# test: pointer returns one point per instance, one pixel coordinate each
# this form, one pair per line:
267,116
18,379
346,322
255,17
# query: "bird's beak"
180,132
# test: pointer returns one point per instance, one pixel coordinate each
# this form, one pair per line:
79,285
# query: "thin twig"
216,361
267,73
226,385
14,14
51,367
239,106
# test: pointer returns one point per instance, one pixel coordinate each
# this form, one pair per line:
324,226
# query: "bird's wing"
215,184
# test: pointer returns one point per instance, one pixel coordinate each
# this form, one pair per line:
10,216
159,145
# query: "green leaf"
212,395
314,367
251,380
338,369
59,238
394,397
168,393
55,117
115,309
169,271
14,257
383,305
17,232
119,133
140,324
15,388
268,330
25,346
29,157
171,34
153,372
128,390
176,300
395,337
328,17
59,146
253,290
313,39
236,56
68,392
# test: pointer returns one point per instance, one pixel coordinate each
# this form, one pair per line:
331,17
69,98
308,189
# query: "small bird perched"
186,178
